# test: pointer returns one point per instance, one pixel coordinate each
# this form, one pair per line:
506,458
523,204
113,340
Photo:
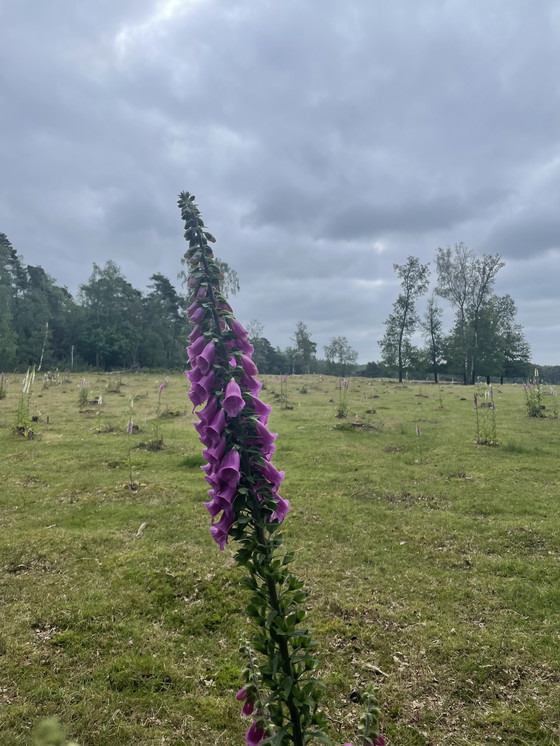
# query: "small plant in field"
440,397
419,441
369,722
156,443
284,391
132,484
23,420
475,403
533,396
342,406
533,399
83,394
50,377
2,386
485,411
130,424
115,386
280,693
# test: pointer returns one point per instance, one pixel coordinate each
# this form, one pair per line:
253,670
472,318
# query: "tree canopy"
484,340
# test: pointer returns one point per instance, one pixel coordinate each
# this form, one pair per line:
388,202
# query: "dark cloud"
324,141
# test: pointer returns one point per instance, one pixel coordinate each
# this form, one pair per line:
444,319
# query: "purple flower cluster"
256,734
232,424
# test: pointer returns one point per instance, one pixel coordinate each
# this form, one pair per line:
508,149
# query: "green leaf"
310,734
286,685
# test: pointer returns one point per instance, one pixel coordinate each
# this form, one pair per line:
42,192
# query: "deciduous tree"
432,328
467,281
341,357
305,348
396,345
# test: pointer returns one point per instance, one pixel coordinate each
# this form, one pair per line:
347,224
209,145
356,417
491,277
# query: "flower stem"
280,640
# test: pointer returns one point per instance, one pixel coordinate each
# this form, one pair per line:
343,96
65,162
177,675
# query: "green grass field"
432,564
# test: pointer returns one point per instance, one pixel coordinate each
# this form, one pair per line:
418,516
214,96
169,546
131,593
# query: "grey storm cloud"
324,141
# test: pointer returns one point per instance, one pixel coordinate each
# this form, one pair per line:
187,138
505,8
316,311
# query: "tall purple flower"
245,505
224,393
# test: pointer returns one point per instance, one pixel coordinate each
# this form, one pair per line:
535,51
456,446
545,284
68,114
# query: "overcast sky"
324,140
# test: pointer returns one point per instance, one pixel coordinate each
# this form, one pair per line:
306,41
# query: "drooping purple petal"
197,315
195,334
271,473
206,357
211,479
248,366
213,507
241,345
228,470
254,735
237,329
261,409
197,395
216,427
282,509
246,347
225,495
202,429
221,499
201,389
215,454
248,708
220,530
196,348
233,402
206,414
265,438
194,375
251,384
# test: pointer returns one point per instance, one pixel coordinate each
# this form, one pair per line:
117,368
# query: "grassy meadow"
432,564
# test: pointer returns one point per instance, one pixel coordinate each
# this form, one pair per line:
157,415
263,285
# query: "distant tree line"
110,325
